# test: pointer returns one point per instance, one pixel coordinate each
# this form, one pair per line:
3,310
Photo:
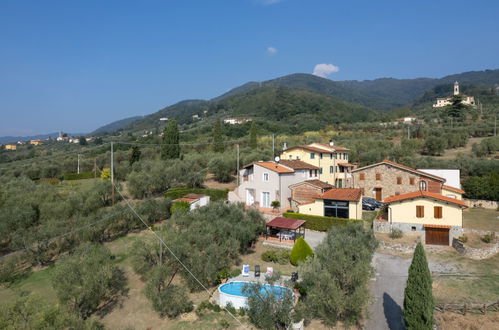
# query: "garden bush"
314,222
463,238
488,238
301,250
396,233
81,176
277,256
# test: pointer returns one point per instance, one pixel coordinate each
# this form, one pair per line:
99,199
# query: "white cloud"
268,2
271,50
324,70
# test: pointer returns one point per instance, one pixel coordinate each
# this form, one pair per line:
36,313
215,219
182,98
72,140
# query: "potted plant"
275,205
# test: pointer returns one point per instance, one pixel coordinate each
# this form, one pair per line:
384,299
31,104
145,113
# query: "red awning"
285,223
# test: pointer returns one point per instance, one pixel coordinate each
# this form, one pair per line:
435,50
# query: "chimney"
331,143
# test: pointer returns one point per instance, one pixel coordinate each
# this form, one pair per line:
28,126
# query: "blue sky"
76,65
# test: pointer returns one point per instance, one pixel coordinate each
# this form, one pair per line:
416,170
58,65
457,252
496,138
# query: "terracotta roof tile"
275,167
298,165
285,223
325,149
423,194
453,189
343,194
319,183
408,168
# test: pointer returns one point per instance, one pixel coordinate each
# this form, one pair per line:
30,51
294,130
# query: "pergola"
286,224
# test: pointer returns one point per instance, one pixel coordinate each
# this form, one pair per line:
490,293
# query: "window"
331,156
413,228
320,170
265,199
335,156
346,156
334,208
362,176
399,180
422,185
331,169
320,155
419,211
411,181
437,212
378,176
312,155
265,177
397,193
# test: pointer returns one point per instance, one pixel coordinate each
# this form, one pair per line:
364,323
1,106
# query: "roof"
424,194
298,165
273,167
453,189
285,223
343,194
317,183
404,167
190,198
323,148
346,165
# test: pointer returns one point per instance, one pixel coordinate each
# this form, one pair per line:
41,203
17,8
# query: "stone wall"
388,182
304,193
493,205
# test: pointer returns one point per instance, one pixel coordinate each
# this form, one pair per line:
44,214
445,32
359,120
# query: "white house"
444,101
194,200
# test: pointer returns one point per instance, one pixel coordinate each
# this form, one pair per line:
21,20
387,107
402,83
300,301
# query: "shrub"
314,222
235,272
275,204
463,238
181,206
396,233
50,181
488,238
269,256
301,250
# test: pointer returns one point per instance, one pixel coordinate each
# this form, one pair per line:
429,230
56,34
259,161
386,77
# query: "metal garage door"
437,236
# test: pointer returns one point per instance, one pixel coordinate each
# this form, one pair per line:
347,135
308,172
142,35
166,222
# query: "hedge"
81,176
215,194
315,222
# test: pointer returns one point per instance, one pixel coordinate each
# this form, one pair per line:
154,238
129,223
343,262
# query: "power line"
173,254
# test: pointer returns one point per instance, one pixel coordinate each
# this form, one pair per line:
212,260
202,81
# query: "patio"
284,230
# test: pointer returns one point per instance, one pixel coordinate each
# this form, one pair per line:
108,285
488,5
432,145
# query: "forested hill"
279,105
115,125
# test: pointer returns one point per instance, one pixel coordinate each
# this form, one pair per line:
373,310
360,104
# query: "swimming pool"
233,292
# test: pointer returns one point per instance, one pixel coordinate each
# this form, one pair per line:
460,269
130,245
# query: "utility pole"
495,125
78,170
112,171
408,132
95,168
273,146
160,252
237,169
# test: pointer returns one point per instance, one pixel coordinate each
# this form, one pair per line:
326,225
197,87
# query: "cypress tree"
170,148
218,145
300,251
253,136
134,155
418,296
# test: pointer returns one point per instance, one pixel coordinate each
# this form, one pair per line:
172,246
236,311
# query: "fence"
468,308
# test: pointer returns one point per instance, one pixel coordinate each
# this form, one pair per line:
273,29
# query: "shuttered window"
378,176
399,180
437,212
419,211
411,181
362,176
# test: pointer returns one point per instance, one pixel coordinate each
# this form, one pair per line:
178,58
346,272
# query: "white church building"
444,101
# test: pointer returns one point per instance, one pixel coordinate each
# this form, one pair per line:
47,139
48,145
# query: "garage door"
437,236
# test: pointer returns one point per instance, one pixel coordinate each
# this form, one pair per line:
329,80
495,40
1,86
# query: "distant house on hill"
36,142
445,101
236,121
10,147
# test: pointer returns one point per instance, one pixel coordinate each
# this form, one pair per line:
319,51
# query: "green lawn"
481,219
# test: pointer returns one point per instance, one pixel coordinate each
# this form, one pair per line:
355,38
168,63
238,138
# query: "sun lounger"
246,270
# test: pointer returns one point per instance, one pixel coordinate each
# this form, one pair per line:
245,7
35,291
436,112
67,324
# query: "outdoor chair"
257,270
246,270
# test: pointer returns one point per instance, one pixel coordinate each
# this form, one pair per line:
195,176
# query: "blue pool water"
236,289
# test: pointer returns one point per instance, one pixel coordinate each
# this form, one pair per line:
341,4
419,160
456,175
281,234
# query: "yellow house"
10,147
332,161
36,142
337,203
437,218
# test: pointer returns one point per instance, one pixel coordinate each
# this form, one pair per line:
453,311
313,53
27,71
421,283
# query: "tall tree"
170,148
218,145
253,136
418,296
82,141
134,155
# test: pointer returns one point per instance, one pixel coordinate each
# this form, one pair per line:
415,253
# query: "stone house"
388,178
306,192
